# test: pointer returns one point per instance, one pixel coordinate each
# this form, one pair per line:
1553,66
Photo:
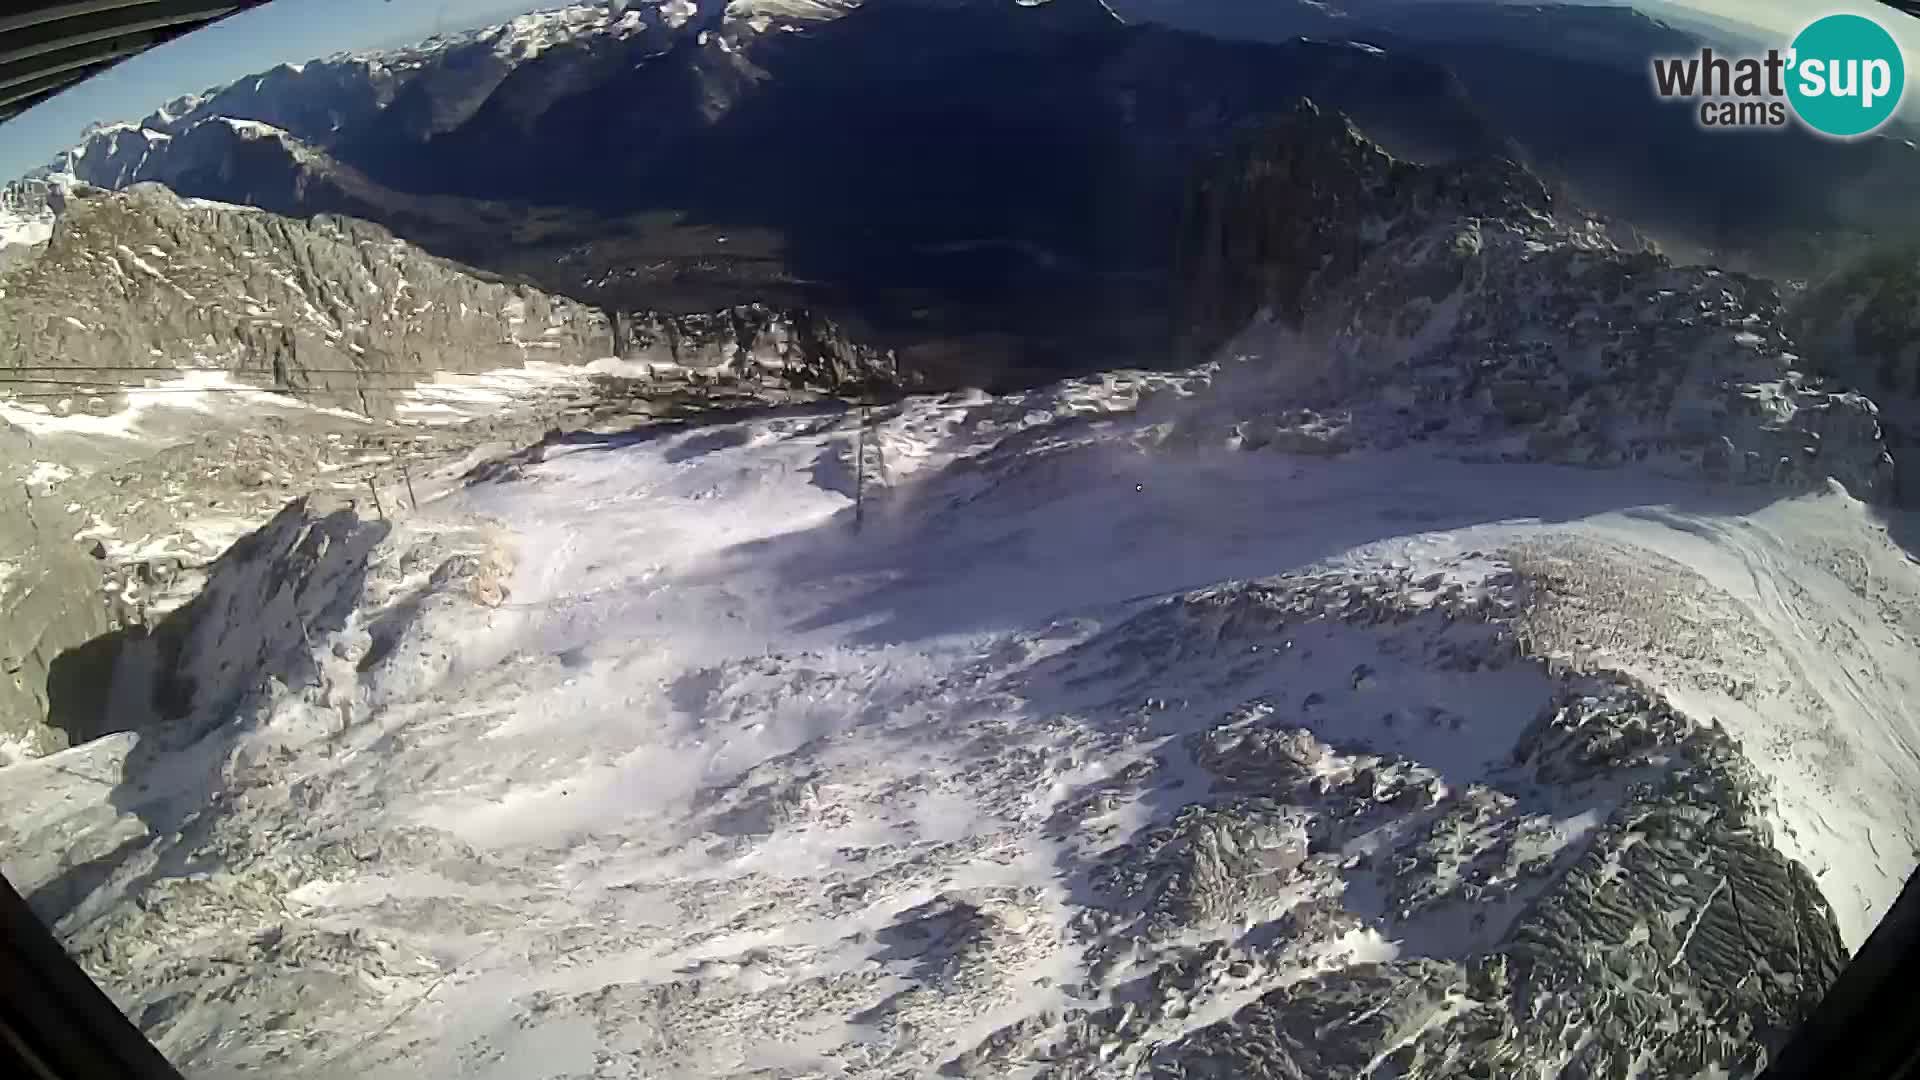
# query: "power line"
97,387
414,388
174,388
406,382
82,388
158,369
97,390
67,378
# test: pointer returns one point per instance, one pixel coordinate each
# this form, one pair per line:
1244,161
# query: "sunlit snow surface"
727,785
24,229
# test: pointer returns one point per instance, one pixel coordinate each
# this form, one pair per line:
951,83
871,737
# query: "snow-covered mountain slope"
172,370
1088,753
142,343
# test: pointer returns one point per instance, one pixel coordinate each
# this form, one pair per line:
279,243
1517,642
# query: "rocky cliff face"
752,343
135,284
50,591
1460,304
1861,326
116,155
264,600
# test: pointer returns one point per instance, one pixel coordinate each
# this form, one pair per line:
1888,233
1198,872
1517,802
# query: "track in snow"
714,786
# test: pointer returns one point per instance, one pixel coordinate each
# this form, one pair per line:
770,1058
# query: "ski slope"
725,783
767,560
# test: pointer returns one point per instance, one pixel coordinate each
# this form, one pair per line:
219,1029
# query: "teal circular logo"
1845,75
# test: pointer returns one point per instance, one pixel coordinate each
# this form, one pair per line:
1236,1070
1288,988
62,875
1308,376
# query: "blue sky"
280,32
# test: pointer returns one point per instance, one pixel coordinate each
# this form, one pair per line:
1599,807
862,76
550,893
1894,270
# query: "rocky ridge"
436,85
755,345
1460,305
139,283
249,162
420,91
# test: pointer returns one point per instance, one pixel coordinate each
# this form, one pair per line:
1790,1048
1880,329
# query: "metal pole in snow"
860,470
408,477
378,509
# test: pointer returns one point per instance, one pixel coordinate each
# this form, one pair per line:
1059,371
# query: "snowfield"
1087,748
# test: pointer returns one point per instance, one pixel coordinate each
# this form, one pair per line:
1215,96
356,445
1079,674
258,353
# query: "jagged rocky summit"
1460,305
